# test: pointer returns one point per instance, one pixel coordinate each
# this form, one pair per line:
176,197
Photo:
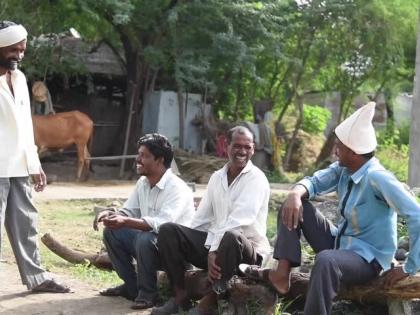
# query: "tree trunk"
290,147
326,149
390,119
181,108
238,101
414,157
328,146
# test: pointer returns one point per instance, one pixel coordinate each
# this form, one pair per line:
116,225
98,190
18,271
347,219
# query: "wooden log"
375,292
100,260
241,289
372,292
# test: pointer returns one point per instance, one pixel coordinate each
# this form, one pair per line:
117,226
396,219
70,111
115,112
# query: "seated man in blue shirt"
365,240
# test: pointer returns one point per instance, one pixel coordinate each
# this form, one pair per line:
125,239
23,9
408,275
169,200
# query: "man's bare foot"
280,281
280,278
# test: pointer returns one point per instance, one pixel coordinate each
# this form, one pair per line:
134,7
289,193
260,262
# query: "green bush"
315,119
395,159
404,133
393,151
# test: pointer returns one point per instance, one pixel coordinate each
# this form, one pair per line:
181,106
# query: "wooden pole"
127,132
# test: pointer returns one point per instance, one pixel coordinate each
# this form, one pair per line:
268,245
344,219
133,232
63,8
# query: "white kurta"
170,200
18,153
242,206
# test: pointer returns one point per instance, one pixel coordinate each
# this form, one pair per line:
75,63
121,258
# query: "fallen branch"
100,260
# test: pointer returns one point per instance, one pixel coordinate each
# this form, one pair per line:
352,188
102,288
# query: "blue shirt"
371,211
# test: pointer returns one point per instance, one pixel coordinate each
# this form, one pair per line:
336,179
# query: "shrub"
393,151
315,119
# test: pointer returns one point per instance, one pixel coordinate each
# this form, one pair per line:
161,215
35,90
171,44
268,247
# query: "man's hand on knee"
100,216
292,210
214,271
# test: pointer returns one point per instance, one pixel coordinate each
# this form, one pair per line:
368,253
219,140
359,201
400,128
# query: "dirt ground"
16,300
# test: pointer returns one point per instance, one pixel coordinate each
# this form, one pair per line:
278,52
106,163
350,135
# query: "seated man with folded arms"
159,197
364,243
228,228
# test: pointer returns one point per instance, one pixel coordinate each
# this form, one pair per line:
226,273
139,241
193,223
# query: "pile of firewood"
197,168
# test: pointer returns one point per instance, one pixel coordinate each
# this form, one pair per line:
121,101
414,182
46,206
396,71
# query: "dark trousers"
179,245
332,266
125,244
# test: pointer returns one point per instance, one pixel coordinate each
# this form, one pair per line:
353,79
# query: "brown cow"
60,131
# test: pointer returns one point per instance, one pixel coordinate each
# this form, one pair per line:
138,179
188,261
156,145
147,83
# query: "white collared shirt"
242,206
18,153
170,200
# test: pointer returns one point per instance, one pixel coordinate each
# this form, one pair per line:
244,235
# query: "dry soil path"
16,300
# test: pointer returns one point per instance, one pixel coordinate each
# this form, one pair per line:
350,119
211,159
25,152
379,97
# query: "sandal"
51,286
255,272
141,304
259,274
120,290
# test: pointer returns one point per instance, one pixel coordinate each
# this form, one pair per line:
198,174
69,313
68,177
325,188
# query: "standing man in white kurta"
228,228
19,160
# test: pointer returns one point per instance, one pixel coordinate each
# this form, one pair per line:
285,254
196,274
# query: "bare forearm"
138,224
299,191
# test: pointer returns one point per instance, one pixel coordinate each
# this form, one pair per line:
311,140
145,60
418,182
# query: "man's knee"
167,231
145,240
230,238
112,236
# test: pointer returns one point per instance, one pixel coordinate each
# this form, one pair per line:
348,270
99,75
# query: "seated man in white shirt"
228,228
159,197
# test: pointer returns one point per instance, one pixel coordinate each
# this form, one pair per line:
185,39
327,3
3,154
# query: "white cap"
12,34
356,131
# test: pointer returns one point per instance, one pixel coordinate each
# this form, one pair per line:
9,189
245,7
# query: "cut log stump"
242,290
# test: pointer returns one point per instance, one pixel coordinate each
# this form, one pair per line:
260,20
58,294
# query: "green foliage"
282,306
238,52
393,151
404,134
402,229
277,177
395,159
315,119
